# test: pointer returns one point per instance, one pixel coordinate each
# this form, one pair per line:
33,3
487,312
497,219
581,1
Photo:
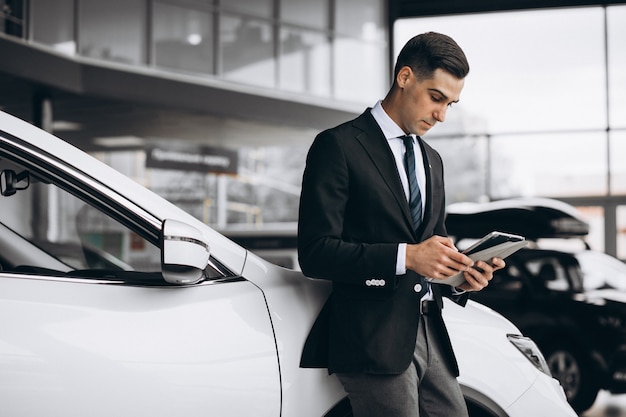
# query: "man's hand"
438,258
478,277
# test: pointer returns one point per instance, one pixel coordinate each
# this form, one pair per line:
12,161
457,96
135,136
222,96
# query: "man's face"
423,103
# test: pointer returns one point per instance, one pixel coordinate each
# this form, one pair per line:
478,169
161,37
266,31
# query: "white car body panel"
81,349
489,367
84,346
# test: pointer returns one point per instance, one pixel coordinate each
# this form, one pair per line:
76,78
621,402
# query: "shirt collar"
390,129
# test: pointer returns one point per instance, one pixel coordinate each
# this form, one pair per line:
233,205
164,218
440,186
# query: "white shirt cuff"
401,259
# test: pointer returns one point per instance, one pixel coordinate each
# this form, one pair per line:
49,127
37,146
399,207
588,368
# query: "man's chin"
423,128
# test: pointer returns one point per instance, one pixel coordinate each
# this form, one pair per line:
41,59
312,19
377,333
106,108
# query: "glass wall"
305,13
301,46
616,30
360,68
182,37
551,164
113,30
247,50
305,61
260,8
52,23
617,155
12,20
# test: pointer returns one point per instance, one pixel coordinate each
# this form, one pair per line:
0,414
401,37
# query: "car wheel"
575,373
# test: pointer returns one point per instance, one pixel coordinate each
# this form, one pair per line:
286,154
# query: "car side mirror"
184,253
10,182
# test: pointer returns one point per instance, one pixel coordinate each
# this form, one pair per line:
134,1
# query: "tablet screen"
491,240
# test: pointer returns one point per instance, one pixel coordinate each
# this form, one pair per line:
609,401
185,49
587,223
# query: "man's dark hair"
430,51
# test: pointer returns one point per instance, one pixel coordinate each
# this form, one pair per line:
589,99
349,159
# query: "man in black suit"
372,221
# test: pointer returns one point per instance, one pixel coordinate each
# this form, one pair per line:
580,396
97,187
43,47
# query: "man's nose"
440,114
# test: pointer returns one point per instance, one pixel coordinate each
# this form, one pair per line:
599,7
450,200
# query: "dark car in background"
581,332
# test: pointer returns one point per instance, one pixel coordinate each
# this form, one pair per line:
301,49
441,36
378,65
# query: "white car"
193,324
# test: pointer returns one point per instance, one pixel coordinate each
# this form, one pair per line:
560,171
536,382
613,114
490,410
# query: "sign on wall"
205,159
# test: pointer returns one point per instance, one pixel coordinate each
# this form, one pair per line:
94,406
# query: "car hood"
533,218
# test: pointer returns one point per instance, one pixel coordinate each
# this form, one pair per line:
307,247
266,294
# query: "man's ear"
404,76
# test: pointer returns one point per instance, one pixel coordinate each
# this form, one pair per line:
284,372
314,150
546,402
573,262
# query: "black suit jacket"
353,214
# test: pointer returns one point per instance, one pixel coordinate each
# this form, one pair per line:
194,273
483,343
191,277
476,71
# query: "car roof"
533,218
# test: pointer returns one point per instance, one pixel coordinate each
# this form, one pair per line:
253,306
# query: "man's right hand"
436,258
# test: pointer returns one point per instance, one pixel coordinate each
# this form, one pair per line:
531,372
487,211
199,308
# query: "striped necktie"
415,197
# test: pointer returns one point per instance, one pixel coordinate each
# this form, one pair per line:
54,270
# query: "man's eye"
435,99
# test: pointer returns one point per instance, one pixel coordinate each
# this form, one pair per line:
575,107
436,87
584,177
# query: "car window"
70,230
549,272
47,230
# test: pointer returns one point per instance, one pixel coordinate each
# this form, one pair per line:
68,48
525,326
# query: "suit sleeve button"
417,288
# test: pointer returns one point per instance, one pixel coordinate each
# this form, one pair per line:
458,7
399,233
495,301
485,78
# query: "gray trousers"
426,389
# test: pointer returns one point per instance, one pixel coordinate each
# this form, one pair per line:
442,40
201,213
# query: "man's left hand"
478,277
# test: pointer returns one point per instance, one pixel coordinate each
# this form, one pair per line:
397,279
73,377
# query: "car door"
82,337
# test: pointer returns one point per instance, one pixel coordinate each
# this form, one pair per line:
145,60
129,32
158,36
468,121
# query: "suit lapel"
377,147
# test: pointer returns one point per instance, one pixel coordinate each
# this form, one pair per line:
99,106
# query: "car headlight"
530,350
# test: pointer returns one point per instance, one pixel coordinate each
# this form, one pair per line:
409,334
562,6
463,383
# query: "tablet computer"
494,245
491,240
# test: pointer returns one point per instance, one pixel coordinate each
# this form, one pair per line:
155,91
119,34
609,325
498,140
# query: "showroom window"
182,38
617,155
113,30
305,13
247,50
53,24
616,30
549,164
259,8
304,61
297,46
360,68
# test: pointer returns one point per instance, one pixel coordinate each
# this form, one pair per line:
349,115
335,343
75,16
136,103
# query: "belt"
429,307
